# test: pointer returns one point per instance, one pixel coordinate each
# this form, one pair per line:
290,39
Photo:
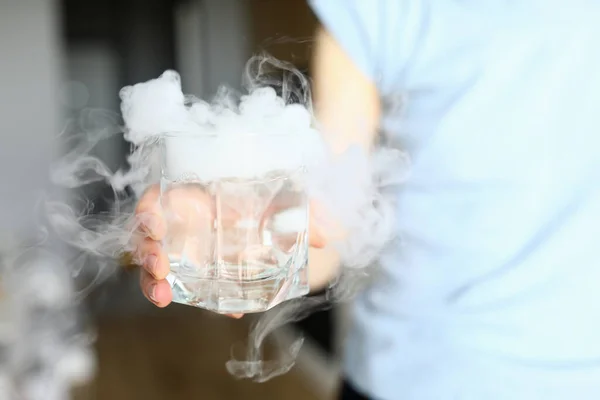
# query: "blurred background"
61,57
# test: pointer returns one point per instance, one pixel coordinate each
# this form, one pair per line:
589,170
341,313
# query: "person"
493,293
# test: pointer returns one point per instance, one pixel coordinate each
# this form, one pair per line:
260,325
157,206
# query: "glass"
237,221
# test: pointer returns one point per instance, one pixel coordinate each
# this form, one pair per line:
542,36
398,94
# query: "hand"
194,205
154,261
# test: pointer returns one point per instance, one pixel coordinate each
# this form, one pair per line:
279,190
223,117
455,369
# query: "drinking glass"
237,220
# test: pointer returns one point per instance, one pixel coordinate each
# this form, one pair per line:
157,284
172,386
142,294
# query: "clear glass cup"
237,221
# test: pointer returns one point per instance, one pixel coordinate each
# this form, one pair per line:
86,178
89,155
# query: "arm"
348,108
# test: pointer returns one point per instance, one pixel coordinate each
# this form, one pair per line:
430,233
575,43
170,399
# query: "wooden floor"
179,353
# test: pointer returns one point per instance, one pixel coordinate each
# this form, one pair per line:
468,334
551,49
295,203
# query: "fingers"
315,238
156,291
149,215
149,255
153,259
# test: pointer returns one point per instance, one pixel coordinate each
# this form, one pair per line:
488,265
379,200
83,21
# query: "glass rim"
300,171
195,135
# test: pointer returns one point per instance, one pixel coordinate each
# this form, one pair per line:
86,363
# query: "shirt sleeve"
372,32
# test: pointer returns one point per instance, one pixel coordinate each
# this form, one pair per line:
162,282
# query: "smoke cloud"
354,189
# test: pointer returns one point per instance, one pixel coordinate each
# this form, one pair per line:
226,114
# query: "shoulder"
378,35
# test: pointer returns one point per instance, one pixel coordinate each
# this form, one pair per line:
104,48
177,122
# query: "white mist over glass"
235,174
236,209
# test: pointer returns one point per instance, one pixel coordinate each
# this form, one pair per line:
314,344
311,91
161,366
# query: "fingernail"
151,225
152,293
150,263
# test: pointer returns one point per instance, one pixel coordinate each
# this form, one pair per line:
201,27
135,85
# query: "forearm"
347,108
347,104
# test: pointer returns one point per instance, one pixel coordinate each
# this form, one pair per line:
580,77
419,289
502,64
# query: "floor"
179,353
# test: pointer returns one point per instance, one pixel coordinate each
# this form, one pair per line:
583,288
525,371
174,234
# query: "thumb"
148,213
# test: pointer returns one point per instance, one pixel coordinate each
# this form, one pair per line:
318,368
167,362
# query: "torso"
493,292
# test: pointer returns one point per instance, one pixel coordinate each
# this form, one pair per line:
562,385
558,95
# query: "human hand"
153,227
194,206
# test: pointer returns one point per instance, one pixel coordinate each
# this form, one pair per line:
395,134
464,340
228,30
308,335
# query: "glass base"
236,295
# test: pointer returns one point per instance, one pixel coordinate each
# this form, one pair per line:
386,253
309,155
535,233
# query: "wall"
213,44
30,53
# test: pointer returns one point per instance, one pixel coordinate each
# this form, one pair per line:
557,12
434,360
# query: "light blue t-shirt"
495,290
